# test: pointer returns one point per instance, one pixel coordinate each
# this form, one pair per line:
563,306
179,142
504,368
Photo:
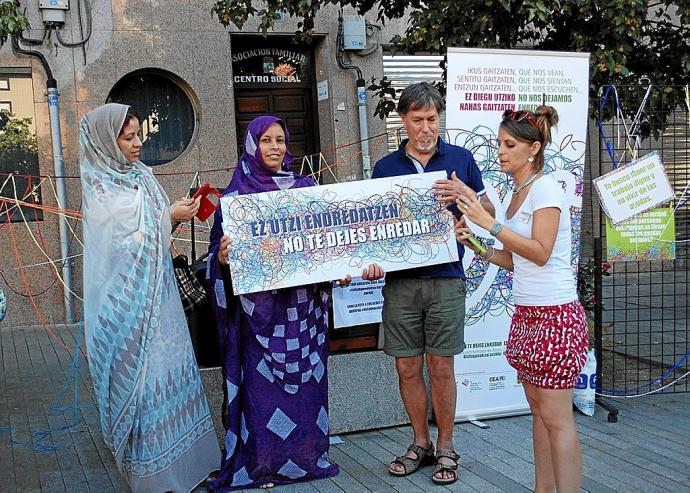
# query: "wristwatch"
496,228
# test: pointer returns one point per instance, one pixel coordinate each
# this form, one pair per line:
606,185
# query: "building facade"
196,86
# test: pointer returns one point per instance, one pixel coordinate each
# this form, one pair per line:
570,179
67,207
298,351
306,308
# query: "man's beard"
425,148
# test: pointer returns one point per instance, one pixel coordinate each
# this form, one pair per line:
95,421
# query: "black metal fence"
642,314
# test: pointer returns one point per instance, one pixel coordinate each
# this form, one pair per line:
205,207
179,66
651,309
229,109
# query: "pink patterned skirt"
547,345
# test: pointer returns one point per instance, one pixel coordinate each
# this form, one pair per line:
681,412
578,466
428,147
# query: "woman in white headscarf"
153,411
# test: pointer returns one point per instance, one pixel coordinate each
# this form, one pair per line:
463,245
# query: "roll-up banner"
482,84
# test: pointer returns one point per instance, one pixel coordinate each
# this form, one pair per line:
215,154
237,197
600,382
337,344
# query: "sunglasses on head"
518,116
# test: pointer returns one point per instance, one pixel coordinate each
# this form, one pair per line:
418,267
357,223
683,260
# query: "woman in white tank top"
548,336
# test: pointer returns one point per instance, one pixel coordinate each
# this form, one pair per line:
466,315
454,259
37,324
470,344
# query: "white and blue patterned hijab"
127,269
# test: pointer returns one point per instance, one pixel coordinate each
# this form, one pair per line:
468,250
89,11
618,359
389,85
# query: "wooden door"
294,105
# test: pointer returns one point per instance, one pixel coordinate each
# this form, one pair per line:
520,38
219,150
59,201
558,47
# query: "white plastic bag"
584,396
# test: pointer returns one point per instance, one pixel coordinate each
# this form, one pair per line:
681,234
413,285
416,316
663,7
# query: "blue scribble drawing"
567,155
262,261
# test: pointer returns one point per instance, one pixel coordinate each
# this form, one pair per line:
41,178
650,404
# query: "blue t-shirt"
447,158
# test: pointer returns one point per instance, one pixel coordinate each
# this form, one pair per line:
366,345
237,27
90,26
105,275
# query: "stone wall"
183,38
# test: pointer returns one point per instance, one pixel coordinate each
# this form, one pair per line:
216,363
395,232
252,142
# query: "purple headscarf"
252,175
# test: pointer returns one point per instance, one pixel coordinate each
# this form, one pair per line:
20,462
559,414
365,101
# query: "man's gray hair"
420,95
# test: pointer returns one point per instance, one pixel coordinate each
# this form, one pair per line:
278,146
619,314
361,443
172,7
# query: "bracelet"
493,251
496,228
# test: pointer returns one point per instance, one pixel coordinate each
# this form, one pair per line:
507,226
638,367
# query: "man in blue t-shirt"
424,308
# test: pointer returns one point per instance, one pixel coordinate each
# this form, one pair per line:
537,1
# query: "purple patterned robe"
274,346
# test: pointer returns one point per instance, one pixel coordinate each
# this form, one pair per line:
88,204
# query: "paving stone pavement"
50,439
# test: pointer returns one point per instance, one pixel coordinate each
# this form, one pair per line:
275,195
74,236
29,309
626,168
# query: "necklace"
525,184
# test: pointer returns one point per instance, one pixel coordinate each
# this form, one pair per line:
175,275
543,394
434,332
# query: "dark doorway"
294,105
274,76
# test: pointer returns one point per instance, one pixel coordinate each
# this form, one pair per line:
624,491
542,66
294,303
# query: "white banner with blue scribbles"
301,236
482,84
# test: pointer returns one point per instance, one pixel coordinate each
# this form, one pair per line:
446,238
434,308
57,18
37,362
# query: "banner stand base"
613,410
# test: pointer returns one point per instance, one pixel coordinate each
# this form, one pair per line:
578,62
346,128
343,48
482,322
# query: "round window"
168,120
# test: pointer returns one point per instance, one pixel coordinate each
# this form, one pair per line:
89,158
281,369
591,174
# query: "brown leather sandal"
441,467
424,457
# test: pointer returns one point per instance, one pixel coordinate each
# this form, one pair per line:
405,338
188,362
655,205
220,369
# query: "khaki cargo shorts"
424,315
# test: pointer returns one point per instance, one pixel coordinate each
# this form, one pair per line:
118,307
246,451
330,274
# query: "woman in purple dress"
274,345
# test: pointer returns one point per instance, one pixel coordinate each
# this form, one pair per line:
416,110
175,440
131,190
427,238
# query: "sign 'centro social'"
279,65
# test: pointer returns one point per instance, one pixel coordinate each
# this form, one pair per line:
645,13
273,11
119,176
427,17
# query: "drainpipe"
363,128
59,167
361,101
